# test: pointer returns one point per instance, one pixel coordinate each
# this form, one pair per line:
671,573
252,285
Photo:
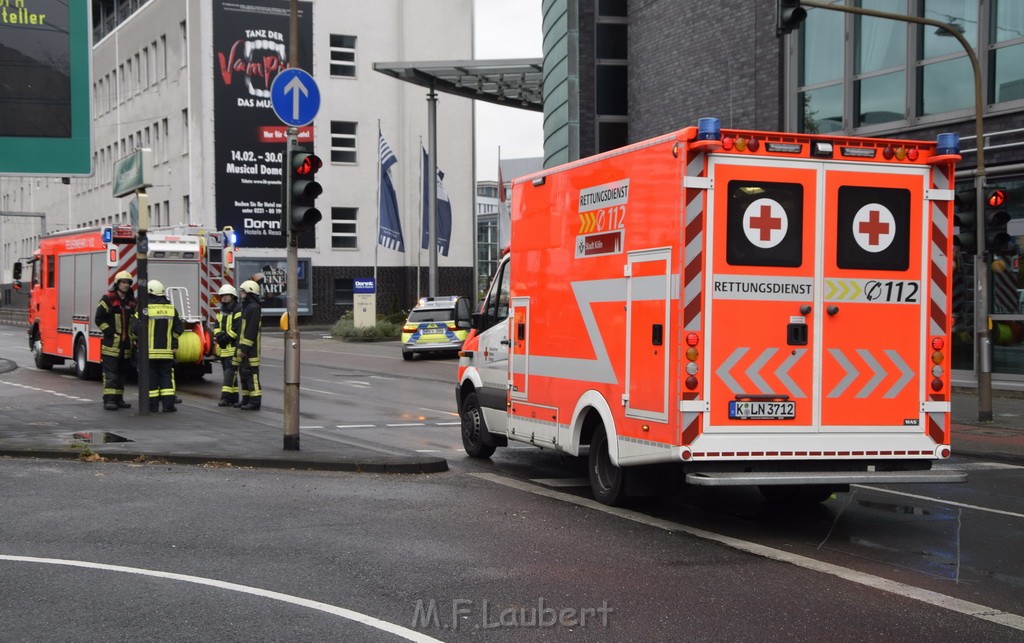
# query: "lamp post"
983,336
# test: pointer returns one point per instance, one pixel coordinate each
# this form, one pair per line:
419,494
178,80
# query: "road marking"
423,408
448,423
358,383
351,615
926,596
46,390
407,424
939,500
427,451
354,426
313,390
974,466
311,426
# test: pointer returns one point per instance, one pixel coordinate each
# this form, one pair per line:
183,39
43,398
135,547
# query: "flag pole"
376,243
419,247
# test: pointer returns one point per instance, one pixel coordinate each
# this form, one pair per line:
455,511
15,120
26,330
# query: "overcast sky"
506,29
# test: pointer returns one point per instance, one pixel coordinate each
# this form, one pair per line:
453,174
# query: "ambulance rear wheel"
796,494
473,429
607,481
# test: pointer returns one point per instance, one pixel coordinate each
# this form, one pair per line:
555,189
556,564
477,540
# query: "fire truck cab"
756,308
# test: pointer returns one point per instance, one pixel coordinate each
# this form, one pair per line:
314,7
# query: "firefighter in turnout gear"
165,326
113,315
225,332
247,353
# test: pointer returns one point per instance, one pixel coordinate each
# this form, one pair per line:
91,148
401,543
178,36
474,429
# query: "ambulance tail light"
692,368
938,356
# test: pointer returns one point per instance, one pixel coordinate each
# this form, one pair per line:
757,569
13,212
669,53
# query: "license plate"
432,331
762,410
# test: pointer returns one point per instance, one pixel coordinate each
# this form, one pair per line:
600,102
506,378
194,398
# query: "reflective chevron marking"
907,374
876,368
588,221
878,373
842,290
723,370
755,374
851,372
783,373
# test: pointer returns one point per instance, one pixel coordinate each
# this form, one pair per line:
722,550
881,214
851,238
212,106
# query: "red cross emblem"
765,223
874,227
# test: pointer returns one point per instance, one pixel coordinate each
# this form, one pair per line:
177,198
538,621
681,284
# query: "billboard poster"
251,47
274,285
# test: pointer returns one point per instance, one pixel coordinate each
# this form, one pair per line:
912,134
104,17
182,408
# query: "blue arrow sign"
295,97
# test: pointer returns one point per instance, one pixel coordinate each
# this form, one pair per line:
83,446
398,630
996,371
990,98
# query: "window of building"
343,56
343,142
343,292
343,228
184,132
183,36
1006,55
880,58
186,204
820,73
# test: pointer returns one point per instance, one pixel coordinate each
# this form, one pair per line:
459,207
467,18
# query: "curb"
382,465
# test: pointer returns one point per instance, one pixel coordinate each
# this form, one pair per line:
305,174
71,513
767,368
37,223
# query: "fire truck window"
873,228
49,271
765,224
503,294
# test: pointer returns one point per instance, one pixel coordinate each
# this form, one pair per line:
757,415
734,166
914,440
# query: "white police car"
431,326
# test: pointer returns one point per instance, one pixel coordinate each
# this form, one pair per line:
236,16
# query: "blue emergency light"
948,143
108,235
709,129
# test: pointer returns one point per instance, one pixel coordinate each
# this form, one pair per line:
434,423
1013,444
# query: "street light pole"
983,336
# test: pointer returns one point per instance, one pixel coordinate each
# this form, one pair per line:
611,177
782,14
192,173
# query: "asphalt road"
504,538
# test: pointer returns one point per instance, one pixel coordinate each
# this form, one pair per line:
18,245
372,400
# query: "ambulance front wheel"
607,481
473,429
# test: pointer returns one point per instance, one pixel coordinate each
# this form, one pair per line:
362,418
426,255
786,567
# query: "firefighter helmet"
124,274
228,289
156,288
251,287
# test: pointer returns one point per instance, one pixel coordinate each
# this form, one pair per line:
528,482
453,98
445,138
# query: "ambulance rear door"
816,304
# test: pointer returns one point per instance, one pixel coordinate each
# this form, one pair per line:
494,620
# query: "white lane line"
311,426
408,424
354,426
450,413
351,615
427,451
929,597
46,390
313,390
358,383
448,423
939,501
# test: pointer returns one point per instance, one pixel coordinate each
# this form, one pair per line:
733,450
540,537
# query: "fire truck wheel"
43,361
794,495
607,481
473,428
81,366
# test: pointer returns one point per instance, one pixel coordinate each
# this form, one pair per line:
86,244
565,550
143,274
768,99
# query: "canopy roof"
514,83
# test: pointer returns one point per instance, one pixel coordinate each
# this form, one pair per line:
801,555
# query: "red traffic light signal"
303,189
996,198
306,164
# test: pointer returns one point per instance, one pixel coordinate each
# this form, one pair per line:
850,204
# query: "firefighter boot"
243,402
121,404
109,403
154,407
169,401
253,404
228,399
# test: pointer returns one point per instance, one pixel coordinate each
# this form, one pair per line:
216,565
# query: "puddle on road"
106,437
894,508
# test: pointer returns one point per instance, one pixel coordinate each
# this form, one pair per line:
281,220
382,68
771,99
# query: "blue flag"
444,208
390,233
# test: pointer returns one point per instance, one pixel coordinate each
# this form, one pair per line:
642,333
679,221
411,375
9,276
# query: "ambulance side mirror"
463,318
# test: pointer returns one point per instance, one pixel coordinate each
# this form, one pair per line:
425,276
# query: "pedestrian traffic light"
997,240
788,16
302,168
965,222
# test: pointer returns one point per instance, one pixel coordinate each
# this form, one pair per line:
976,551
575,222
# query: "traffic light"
965,222
997,240
303,167
789,16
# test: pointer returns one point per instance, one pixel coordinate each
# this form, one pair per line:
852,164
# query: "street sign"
295,97
132,172
46,88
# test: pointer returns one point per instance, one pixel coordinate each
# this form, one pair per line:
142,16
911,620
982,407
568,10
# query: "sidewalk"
1002,439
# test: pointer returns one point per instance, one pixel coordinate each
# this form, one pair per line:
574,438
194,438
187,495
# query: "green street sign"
46,88
132,172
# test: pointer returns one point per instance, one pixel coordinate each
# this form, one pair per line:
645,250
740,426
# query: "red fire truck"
757,308
71,270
